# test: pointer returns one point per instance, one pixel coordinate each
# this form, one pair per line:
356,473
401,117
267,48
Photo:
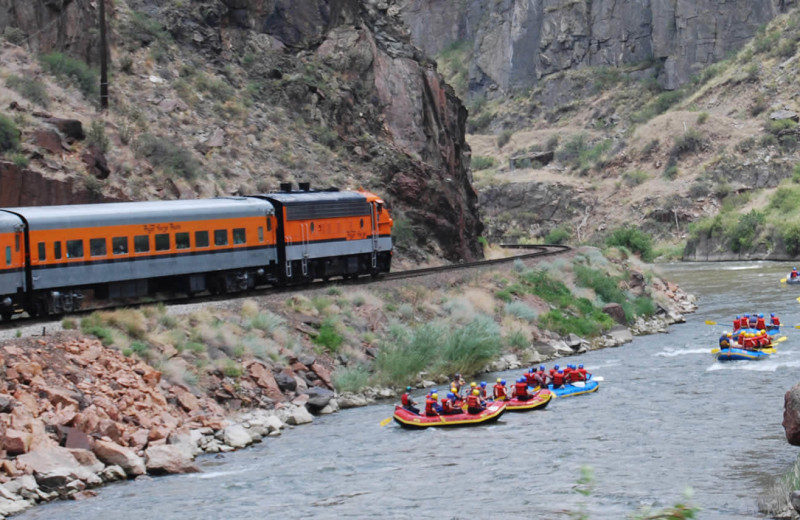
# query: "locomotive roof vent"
304,186
286,186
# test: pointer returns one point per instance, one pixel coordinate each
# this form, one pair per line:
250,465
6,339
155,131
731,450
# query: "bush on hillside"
745,231
633,239
558,235
72,70
30,89
9,134
163,153
480,162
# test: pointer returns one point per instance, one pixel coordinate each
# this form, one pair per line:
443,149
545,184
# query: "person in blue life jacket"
407,402
793,274
725,340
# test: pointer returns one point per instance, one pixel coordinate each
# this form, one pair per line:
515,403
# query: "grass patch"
350,379
9,134
634,240
162,153
30,89
480,162
73,71
328,336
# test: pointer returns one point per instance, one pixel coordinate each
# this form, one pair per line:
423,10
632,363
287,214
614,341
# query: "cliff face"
343,67
518,42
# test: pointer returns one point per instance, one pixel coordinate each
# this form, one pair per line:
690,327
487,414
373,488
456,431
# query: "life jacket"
749,342
558,379
472,401
405,399
530,378
482,390
743,323
447,406
740,339
521,389
578,375
541,379
430,407
776,321
793,274
760,324
499,391
723,342
583,373
552,371
735,325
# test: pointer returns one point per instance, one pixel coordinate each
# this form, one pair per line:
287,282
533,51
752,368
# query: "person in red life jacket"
500,393
740,338
407,402
553,371
760,323
774,320
576,374
541,377
482,390
793,274
744,322
582,373
749,342
567,371
765,340
558,379
449,405
521,389
432,405
736,323
474,402
530,377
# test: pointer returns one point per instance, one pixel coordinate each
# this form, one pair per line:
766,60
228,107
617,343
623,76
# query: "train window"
57,250
16,242
162,242
8,255
362,223
141,244
312,227
74,248
379,206
269,224
42,251
239,236
97,247
220,237
201,239
120,245
182,241
260,233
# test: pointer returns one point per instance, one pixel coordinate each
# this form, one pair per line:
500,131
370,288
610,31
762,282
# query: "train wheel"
32,310
6,315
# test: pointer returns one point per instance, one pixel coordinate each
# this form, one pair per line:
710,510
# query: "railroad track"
536,251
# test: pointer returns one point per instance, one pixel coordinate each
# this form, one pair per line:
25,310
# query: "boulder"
24,486
113,454
791,415
299,415
349,400
616,312
55,467
620,335
318,398
169,459
795,500
236,436
12,507
286,382
15,442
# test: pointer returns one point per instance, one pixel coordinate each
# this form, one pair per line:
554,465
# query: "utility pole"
103,58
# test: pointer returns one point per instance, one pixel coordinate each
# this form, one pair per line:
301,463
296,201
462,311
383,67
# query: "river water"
667,418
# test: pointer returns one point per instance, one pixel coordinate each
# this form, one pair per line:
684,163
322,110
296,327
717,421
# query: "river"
667,418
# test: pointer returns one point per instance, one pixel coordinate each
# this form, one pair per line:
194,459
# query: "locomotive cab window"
120,245
57,250
379,206
312,227
182,241
220,237
260,233
162,242
16,242
8,255
74,248
141,244
42,251
239,236
362,223
97,247
269,224
201,239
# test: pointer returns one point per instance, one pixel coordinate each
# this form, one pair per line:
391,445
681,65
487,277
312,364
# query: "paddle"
798,299
715,351
781,339
783,280
386,421
709,322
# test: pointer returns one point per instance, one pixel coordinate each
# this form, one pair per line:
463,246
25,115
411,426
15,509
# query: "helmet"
475,392
760,315
483,384
408,389
580,366
555,366
451,395
738,317
725,332
473,384
772,314
434,391
435,396
730,335
530,370
498,379
503,382
458,376
763,331
560,371
541,367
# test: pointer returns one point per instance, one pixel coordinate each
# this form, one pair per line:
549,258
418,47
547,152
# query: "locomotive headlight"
6,302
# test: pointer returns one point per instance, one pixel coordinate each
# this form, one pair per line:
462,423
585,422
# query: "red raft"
408,419
540,399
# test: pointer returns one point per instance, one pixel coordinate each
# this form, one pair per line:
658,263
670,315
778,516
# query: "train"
53,259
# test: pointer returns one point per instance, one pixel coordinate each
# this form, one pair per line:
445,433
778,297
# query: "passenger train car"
54,257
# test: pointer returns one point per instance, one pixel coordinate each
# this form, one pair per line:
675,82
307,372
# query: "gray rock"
318,398
236,436
113,473
616,312
112,453
12,507
286,382
170,459
784,114
299,415
795,500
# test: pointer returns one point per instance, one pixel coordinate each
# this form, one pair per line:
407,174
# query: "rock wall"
518,42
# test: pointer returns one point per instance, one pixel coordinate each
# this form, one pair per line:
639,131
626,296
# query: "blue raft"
579,388
740,354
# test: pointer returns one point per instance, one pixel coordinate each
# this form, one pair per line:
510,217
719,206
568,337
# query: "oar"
386,421
798,299
709,322
715,351
781,339
783,280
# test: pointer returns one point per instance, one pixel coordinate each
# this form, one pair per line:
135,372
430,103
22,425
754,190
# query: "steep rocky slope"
216,98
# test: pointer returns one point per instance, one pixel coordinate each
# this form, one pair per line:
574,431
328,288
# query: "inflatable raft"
408,419
771,331
576,388
540,399
740,354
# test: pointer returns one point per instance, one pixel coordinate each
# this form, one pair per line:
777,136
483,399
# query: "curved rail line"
540,251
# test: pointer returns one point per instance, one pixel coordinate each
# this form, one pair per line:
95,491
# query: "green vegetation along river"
666,418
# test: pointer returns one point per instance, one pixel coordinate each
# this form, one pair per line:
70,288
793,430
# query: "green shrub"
521,310
232,369
96,136
517,339
140,348
691,141
634,239
634,177
65,67
405,353
504,138
785,200
791,238
743,234
30,89
572,149
9,134
469,348
558,235
402,233
162,153
702,117
350,379
564,324
480,162
328,336
547,288
777,126
19,159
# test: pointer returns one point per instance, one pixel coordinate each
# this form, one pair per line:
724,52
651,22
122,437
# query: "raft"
408,419
540,399
740,354
792,281
771,332
577,388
